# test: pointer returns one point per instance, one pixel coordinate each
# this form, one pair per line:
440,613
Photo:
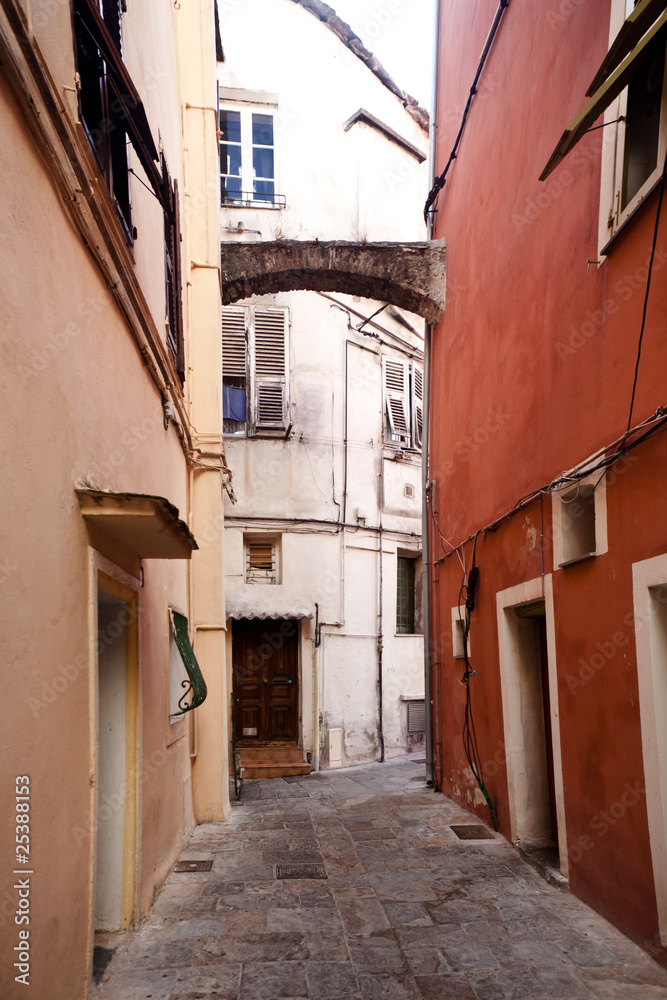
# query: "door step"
272,762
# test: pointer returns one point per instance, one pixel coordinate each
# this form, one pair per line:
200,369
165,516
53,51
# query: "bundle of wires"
469,587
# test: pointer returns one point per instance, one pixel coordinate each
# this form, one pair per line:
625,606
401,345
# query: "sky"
399,33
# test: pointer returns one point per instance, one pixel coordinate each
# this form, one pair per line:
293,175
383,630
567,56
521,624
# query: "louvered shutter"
233,344
270,368
417,405
261,562
396,398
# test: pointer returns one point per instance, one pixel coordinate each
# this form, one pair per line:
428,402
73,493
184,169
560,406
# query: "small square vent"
409,491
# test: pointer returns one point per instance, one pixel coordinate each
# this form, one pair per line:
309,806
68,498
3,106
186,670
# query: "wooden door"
265,664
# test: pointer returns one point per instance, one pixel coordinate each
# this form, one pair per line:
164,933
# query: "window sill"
577,559
176,730
629,219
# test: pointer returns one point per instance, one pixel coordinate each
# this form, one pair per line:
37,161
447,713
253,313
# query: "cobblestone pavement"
406,909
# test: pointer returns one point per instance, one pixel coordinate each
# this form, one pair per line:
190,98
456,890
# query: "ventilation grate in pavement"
300,871
292,793
193,866
476,832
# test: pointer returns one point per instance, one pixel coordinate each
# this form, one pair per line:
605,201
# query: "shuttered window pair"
254,369
403,384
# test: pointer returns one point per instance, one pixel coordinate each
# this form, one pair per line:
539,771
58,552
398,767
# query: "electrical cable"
648,286
655,423
442,537
439,182
470,745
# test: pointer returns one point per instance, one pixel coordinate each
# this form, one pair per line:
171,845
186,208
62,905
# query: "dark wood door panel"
265,679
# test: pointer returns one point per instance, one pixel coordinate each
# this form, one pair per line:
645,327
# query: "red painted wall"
532,371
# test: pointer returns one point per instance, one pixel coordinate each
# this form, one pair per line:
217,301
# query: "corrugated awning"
238,614
602,98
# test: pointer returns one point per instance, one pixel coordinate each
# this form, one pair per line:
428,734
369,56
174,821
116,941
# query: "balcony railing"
255,198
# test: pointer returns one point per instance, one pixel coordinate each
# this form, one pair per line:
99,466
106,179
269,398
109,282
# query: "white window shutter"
270,368
396,397
417,404
233,343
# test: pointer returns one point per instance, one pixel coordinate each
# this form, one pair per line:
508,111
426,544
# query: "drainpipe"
426,563
316,690
426,546
380,619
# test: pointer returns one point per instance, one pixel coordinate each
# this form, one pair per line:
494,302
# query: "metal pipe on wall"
426,547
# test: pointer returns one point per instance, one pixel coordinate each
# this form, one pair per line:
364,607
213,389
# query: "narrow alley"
354,884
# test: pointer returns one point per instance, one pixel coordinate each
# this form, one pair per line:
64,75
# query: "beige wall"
82,404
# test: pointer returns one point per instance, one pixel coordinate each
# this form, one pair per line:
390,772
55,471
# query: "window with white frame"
579,519
247,158
634,154
403,389
255,378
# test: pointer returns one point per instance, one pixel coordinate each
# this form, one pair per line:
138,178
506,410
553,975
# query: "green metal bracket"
195,683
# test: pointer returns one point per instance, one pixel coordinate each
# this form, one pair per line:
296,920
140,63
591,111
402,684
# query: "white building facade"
322,404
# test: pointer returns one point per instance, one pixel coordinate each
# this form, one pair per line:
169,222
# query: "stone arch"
408,275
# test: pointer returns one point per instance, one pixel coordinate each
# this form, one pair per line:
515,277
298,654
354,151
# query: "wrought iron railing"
247,198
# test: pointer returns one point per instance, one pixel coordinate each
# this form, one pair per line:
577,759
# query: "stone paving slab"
407,911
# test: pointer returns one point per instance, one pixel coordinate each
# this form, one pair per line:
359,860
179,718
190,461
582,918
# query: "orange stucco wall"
532,373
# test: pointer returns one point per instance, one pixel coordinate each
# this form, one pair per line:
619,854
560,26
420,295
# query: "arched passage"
408,275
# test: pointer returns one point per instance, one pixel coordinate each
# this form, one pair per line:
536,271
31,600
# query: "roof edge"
344,32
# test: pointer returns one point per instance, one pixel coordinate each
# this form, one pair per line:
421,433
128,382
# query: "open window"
403,387
110,106
629,89
172,274
255,370
636,157
409,609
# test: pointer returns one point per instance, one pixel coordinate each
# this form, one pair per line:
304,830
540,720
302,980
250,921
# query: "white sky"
400,34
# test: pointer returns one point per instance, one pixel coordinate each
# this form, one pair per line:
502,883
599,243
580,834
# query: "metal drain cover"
193,866
420,777
473,832
292,793
300,871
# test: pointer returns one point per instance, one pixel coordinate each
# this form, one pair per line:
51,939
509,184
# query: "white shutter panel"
233,343
417,404
396,398
270,366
